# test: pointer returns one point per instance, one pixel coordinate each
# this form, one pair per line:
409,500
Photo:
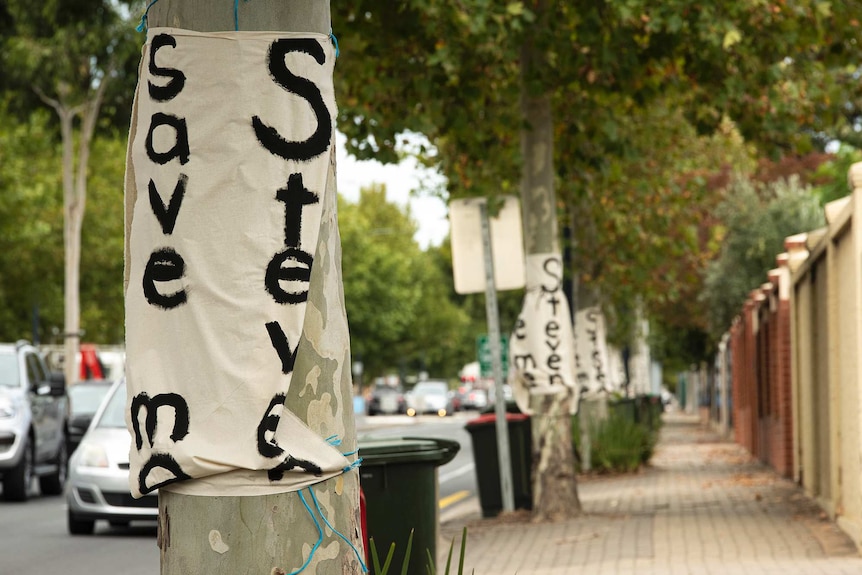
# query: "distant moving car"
474,398
33,411
387,399
84,399
429,397
99,472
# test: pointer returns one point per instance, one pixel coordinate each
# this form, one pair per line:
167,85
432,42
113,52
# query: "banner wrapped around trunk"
542,346
592,358
230,148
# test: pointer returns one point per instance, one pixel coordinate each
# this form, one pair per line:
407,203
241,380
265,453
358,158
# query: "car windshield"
115,411
431,388
86,398
9,376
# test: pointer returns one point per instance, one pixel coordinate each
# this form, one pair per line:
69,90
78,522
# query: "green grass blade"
463,551
449,556
375,562
430,567
407,554
388,559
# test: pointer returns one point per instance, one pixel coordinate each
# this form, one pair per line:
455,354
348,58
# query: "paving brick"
703,507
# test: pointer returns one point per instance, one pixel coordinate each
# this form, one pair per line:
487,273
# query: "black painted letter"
267,446
152,405
178,79
318,142
164,265
167,214
299,271
281,346
179,150
294,196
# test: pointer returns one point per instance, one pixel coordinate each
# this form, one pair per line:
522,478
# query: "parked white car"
99,472
34,410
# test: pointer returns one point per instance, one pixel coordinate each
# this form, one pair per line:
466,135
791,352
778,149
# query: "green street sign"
483,350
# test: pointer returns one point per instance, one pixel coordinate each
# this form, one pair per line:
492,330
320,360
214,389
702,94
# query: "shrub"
623,441
619,444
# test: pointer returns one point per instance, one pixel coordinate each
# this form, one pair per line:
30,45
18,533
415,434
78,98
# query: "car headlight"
92,456
7,408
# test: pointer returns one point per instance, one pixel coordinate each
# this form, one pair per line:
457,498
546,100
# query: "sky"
429,213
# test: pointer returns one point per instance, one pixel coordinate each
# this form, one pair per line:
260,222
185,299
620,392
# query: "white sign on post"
468,267
229,154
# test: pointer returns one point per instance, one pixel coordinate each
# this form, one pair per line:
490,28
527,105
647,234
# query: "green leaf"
731,37
515,8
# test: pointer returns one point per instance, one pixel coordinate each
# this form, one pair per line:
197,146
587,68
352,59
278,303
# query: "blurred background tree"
655,107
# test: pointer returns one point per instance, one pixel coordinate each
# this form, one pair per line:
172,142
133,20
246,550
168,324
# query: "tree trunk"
74,205
273,534
555,494
73,216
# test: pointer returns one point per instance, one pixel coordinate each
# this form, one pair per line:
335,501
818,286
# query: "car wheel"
17,481
78,526
53,484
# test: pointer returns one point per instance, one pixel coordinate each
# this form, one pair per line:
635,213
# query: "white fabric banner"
542,346
593,363
230,147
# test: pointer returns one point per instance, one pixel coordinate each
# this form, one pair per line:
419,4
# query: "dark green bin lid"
385,450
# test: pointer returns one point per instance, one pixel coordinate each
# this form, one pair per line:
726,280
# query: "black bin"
483,434
399,479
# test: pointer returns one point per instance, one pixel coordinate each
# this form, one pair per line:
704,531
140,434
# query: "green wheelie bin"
399,479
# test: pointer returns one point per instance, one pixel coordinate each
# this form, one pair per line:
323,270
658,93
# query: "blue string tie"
142,27
335,42
320,532
334,530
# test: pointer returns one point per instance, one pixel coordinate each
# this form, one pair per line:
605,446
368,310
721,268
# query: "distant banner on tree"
592,359
226,181
542,346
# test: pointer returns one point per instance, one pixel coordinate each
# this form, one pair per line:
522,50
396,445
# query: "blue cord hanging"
319,534
335,42
319,541
142,27
334,530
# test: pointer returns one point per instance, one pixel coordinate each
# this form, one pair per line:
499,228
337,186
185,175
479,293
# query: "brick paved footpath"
703,506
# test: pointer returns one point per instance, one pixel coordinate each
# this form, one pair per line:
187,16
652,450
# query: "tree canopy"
643,94
63,49
773,211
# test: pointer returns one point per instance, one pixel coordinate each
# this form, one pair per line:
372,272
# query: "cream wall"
826,319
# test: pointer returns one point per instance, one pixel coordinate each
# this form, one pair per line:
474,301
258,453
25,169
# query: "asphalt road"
34,540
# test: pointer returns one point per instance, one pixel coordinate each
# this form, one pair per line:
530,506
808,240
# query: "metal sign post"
492,312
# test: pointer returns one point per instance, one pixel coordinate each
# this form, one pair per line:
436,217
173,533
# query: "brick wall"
761,379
